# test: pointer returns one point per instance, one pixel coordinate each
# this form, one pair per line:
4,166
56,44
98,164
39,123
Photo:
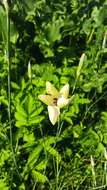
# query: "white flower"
55,100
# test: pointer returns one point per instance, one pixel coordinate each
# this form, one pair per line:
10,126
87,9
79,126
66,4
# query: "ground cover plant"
53,54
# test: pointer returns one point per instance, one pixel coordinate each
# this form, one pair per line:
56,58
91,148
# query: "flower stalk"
7,8
9,66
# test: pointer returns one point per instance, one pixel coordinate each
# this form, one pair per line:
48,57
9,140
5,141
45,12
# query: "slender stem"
46,156
9,83
57,173
93,172
9,72
59,128
57,161
105,171
91,35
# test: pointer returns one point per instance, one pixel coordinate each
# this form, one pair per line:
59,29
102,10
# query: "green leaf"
105,138
36,112
53,152
34,155
27,114
35,120
21,123
15,86
41,165
21,111
3,30
39,177
3,100
29,104
3,185
20,117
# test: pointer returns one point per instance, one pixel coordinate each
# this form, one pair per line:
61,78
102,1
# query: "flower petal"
47,99
65,90
62,101
50,89
54,113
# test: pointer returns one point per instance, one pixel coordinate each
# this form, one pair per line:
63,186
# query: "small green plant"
64,42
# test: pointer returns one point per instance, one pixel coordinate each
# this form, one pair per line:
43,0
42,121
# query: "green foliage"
3,185
27,114
64,42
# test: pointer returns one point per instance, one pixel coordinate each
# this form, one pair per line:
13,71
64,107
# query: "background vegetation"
52,35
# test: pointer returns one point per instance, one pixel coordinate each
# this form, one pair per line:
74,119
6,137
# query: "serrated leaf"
53,152
3,100
21,110
29,104
49,140
21,123
41,165
20,117
37,111
15,86
36,120
38,177
34,155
